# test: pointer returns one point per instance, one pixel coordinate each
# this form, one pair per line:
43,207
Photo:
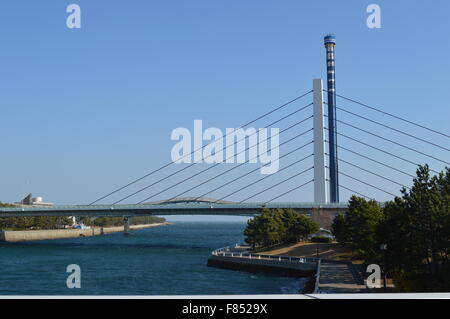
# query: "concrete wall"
29,235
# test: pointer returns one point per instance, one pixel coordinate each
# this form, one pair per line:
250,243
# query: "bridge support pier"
126,226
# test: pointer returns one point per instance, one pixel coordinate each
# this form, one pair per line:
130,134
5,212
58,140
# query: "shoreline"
324,267
48,234
241,259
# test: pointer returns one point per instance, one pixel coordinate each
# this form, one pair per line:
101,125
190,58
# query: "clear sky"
84,111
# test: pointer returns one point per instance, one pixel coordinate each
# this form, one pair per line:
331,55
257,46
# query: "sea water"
166,260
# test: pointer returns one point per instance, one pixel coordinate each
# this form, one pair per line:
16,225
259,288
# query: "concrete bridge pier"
126,226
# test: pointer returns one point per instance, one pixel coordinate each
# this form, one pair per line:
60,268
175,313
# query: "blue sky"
85,111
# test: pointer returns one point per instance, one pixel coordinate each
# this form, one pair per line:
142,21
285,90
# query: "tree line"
118,221
56,222
408,237
278,226
39,222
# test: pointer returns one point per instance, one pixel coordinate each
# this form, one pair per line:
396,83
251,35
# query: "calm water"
169,260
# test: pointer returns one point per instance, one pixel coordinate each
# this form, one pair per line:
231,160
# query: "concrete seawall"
239,257
254,264
325,276
30,235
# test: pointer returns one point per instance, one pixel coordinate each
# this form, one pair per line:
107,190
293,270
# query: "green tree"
278,226
357,228
288,218
270,228
261,230
251,233
339,229
415,227
416,230
303,227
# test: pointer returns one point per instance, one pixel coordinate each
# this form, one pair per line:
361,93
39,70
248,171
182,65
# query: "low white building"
35,201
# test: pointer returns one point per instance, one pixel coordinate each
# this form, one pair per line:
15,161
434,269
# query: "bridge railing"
240,251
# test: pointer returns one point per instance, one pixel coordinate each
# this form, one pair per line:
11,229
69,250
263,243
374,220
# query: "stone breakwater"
30,235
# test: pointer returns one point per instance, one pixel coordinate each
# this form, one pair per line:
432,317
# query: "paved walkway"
340,277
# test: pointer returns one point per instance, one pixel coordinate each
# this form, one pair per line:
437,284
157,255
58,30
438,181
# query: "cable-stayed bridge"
372,161
190,207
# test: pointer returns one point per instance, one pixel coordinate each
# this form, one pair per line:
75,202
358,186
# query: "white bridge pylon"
320,190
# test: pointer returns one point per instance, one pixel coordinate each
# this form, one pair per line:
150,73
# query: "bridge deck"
162,209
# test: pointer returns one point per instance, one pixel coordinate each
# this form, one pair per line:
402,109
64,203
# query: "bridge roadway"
169,208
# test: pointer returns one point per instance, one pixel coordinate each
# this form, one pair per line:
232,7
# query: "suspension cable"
267,176
380,150
394,116
356,179
373,173
211,167
393,142
373,160
289,191
233,168
200,148
393,129
277,184
301,109
355,192
192,164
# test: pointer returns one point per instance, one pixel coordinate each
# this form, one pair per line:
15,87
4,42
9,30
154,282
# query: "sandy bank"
29,235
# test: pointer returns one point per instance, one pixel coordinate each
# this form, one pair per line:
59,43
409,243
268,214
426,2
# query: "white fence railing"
317,281
239,251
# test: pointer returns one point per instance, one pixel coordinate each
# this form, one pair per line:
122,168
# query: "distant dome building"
35,201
